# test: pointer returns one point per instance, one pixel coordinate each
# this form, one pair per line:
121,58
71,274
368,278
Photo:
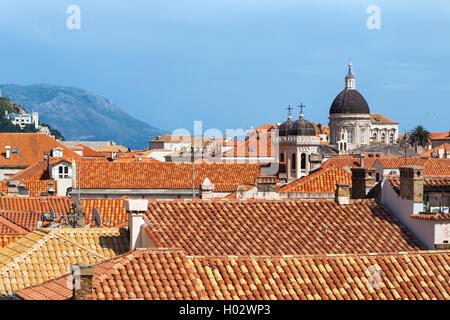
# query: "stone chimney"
266,188
206,189
135,209
8,152
363,179
361,161
342,194
82,275
411,183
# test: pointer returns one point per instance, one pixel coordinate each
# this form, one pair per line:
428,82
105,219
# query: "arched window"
391,138
345,145
383,137
293,161
374,137
303,161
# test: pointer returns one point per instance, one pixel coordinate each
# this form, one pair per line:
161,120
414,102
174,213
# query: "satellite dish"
52,213
96,217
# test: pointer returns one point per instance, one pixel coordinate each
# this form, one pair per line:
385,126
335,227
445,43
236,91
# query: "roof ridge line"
12,225
38,243
328,255
78,245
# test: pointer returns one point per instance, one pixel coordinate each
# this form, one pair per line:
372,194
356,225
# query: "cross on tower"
301,106
289,108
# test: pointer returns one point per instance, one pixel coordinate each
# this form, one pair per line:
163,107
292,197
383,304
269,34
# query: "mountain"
81,115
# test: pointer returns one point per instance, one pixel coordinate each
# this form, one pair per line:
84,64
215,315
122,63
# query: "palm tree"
419,137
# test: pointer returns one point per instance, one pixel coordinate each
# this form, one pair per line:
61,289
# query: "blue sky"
235,63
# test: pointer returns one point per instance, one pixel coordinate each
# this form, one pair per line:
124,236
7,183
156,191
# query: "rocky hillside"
82,115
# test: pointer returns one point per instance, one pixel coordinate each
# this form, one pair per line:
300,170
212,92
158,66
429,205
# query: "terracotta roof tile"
30,147
378,118
170,274
348,161
88,152
322,181
163,175
46,254
263,227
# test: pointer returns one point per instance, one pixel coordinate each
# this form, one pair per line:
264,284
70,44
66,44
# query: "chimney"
411,183
342,194
82,286
206,189
8,152
135,209
266,188
362,162
363,179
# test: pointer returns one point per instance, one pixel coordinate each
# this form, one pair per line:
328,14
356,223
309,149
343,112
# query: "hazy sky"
235,63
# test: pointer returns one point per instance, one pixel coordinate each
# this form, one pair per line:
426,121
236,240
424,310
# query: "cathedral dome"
284,128
302,127
349,101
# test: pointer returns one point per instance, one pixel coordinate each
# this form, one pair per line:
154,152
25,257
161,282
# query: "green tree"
419,137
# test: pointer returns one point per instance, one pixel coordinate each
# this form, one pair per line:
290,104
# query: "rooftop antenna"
96,218
52,213
193,169
405,144
79,181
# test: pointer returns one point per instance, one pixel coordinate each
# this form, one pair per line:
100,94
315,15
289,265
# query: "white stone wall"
377,130
342,124
423,230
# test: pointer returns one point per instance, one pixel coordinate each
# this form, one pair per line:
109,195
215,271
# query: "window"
63,172
281,157
293,161
391,138
374,137
362,137
383,138
303,161
350,136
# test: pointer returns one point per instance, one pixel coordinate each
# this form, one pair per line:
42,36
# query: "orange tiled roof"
170,274
47,254
88,152
35,204
322,181
24,209
271,227
439,135
349,161
164,175
6,239
30,148
112,211
109,149
22,221
258,145
36,188
431,216
445,146
435,167
378,118
396,162
429,182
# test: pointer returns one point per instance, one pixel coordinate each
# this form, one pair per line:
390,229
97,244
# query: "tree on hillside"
419,137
